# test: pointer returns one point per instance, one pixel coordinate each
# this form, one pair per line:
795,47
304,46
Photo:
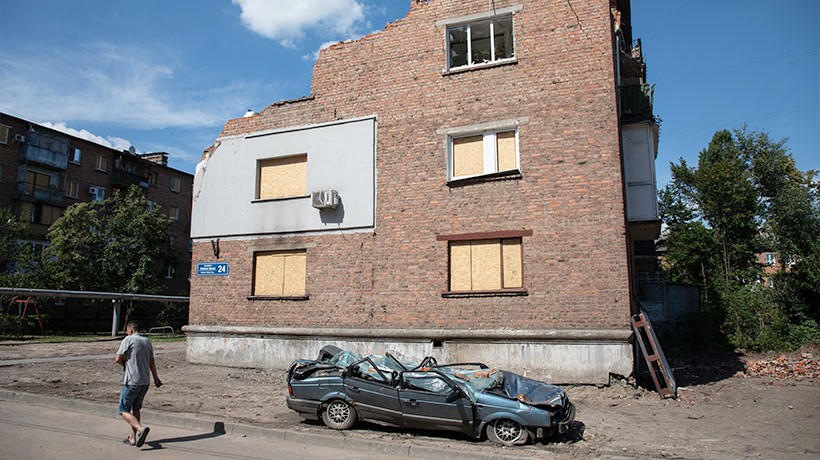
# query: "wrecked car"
340,388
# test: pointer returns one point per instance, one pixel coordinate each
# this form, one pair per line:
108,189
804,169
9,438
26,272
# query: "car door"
430,400
374,400
373,390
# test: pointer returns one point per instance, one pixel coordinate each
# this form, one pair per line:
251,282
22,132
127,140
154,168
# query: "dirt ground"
721,410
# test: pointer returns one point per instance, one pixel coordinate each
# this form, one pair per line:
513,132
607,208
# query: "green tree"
790,211
116,245
20,265
719,193
746,195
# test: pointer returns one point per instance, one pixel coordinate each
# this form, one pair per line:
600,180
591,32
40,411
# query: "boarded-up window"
282,177
37,183
486,153
505,150
38,213
485,265
280,273
468,156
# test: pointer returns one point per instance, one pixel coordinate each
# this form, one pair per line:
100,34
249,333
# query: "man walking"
136,356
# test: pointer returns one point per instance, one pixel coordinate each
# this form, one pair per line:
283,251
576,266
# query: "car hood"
529,391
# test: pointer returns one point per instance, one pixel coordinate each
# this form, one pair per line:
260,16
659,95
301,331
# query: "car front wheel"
339,415
507,433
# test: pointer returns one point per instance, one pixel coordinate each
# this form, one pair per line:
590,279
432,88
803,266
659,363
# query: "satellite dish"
132,150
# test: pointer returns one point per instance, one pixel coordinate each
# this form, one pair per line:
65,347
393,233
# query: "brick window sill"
496,293
278,297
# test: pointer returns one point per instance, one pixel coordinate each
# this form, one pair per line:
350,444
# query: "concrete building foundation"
556,356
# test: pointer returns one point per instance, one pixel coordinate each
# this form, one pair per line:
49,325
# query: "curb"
194,422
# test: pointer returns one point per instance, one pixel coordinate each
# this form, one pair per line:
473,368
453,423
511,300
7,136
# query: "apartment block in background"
44,171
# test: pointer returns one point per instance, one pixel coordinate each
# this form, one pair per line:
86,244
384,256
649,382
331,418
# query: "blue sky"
165,76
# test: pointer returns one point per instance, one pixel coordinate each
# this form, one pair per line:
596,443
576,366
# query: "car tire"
507,432
339,415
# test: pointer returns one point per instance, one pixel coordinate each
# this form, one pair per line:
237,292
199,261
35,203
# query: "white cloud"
125,85
287,20
113,142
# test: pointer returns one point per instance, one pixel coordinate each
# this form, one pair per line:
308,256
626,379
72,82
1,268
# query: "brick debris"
806,366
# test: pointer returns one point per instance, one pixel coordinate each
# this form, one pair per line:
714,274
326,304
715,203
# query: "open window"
480,42
425,381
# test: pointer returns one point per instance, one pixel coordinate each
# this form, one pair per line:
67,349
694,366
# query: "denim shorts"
131,397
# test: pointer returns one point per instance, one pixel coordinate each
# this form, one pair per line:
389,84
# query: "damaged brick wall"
570,193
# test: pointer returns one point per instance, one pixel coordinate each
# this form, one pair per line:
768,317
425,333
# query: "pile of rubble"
784,367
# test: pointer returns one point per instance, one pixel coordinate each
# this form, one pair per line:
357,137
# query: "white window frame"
77,156
770,259
170,271
72,188
469,20
488,131
174,213
102,163
176,185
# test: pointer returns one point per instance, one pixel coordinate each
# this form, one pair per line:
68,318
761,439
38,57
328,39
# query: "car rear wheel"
507,433
339,415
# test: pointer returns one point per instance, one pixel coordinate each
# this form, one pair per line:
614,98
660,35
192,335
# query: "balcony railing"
636,101
33,153
125,179
51,195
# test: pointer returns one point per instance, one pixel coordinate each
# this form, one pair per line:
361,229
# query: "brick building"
44,171
468,183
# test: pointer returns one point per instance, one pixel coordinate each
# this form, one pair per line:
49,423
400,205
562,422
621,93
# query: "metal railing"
115,297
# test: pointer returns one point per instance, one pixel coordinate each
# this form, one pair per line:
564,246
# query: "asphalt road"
37,432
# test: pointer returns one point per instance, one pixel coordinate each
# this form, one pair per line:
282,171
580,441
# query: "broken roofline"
292,101
414,4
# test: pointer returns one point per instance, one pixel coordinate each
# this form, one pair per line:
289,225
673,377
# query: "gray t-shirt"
138,353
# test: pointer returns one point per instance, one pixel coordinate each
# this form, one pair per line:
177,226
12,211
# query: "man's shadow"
219,430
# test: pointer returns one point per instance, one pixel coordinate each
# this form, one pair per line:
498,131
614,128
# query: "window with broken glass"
480,42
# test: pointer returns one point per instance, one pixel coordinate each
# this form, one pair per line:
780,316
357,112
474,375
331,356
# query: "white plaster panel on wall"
340,156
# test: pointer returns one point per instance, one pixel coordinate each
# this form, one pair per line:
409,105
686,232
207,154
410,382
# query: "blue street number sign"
212,269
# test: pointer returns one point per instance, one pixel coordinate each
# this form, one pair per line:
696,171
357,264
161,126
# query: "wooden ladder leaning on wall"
659,369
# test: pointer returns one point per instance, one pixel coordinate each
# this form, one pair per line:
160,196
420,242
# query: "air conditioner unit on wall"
20,138
325,199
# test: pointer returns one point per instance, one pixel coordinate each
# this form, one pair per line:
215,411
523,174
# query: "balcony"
127,179
35,154
636,102
51,195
